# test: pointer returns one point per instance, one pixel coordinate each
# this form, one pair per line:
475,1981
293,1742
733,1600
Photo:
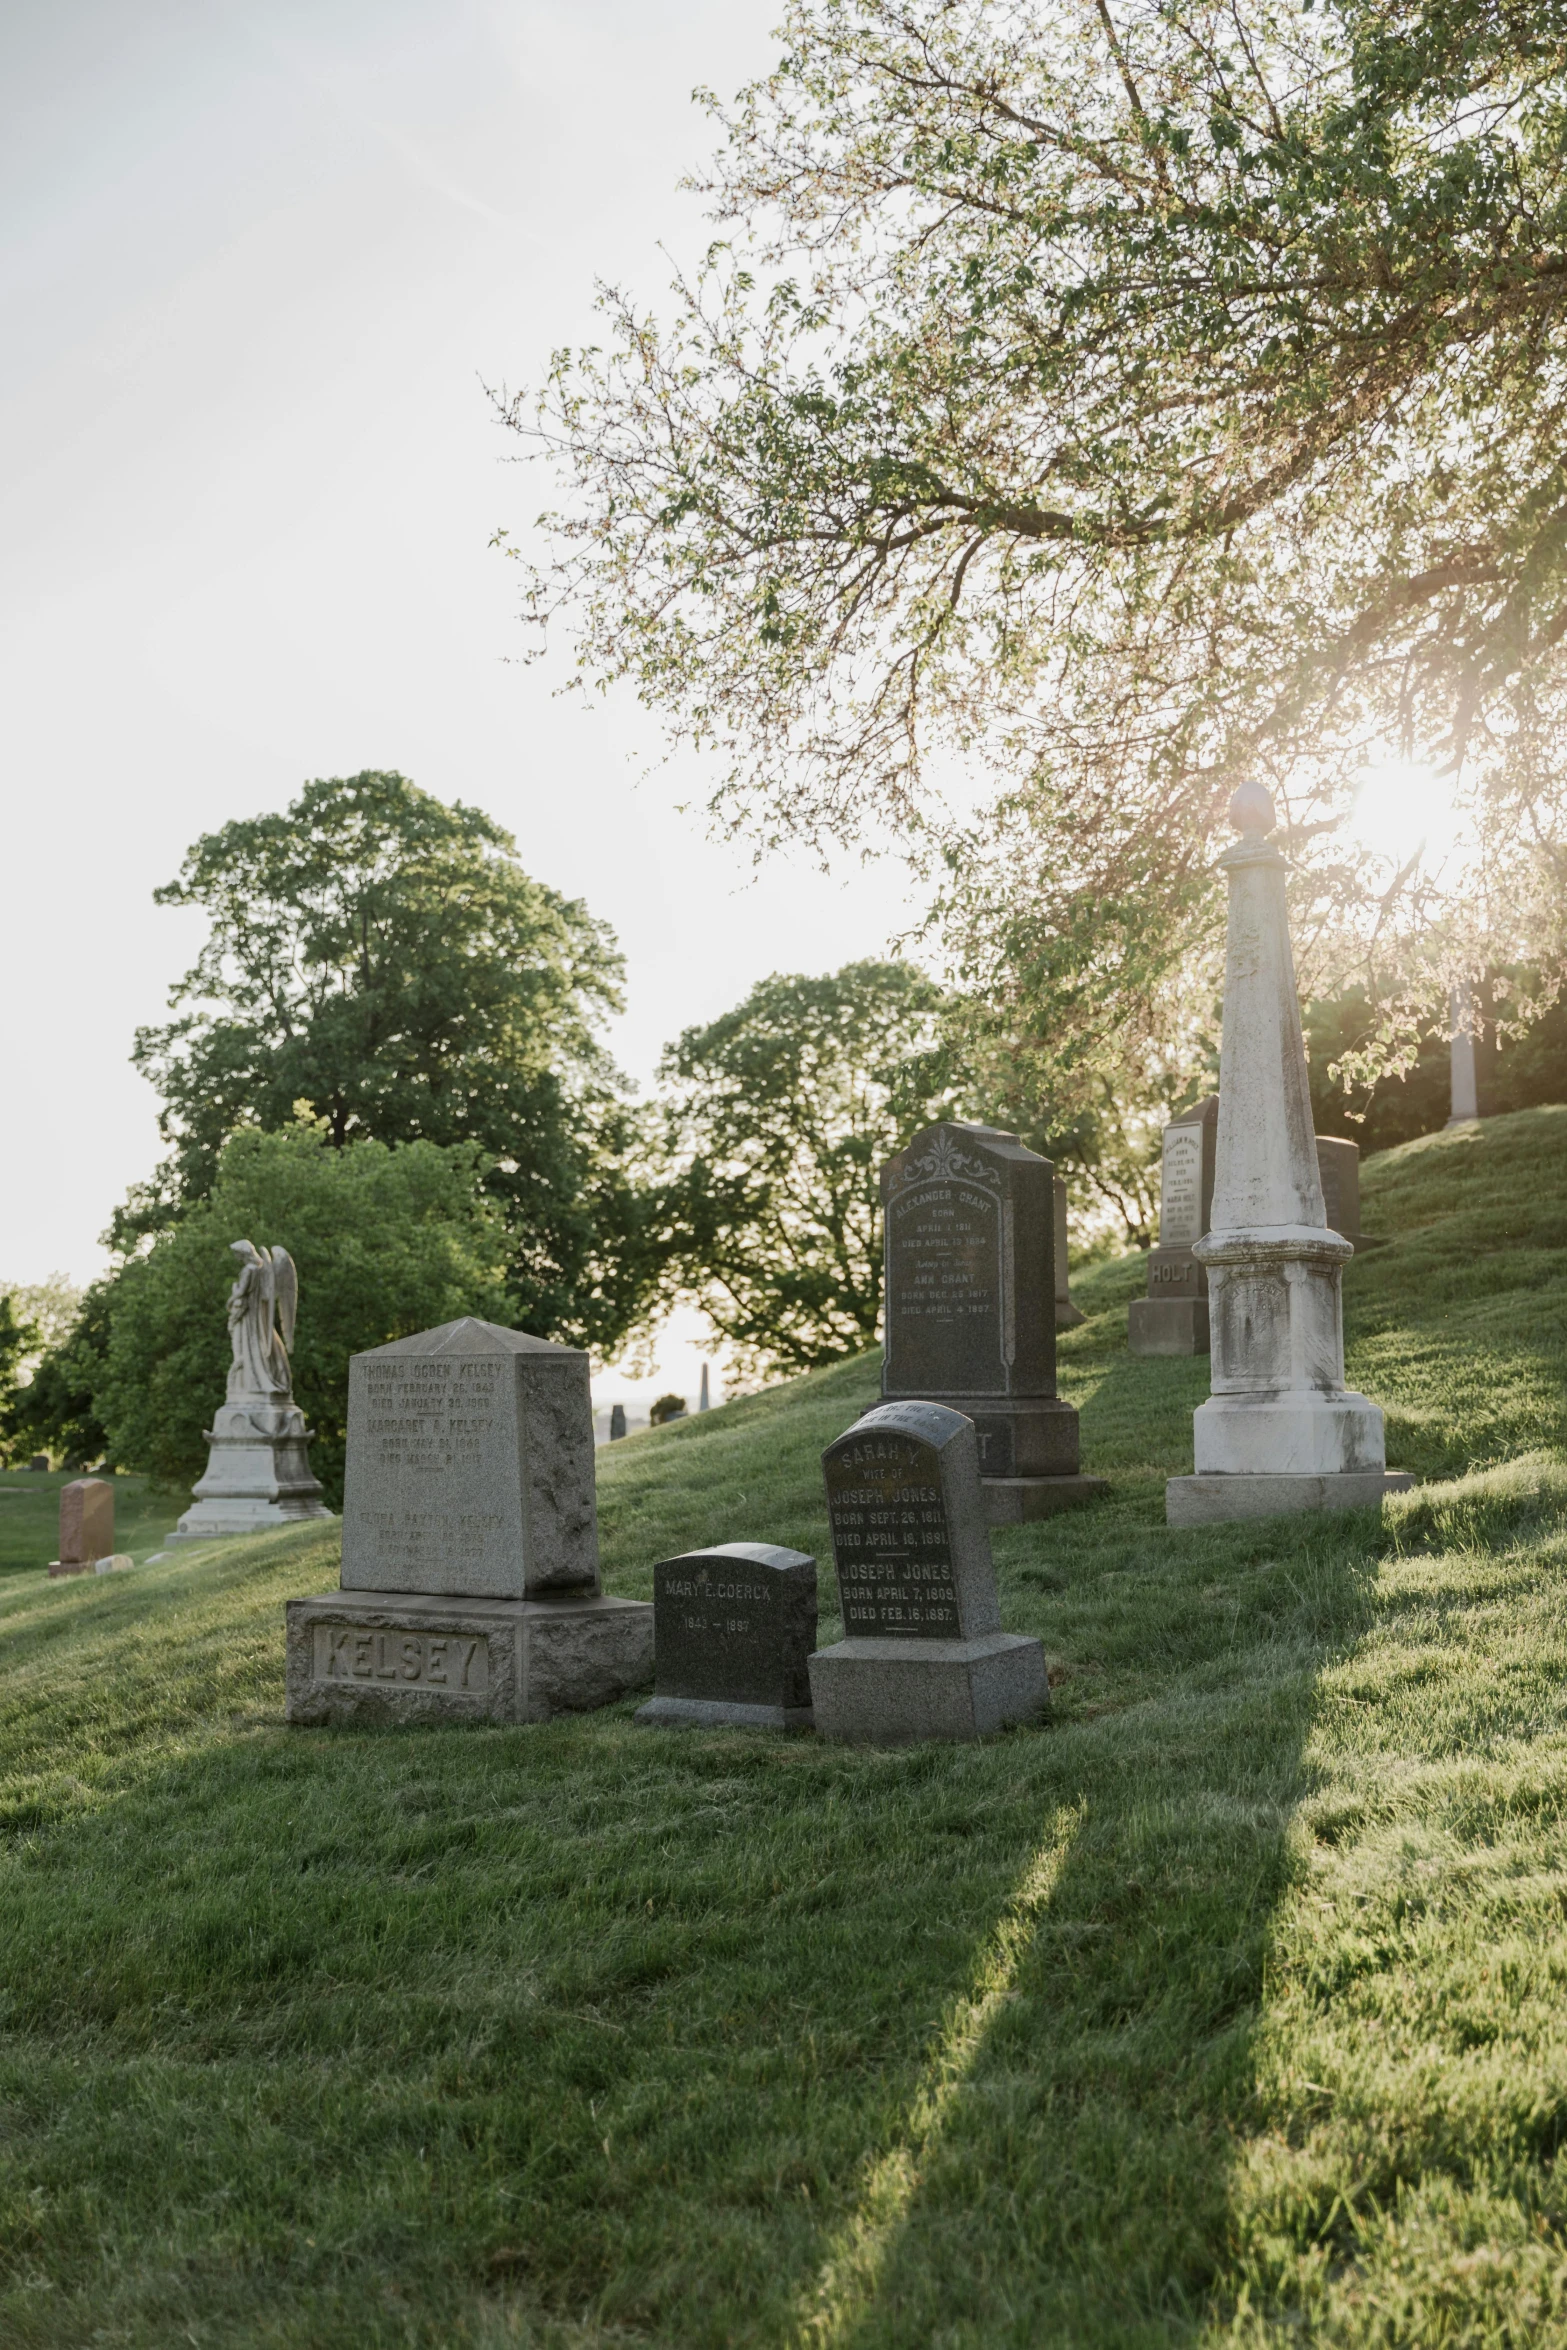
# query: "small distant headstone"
703,1402
1173,1318
470,1578
617,1421
86,1526
40,1460
970,1291
923,1653
734,1628
1067,1314
1338,1164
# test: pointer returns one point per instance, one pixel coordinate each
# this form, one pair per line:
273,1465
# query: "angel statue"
265,1295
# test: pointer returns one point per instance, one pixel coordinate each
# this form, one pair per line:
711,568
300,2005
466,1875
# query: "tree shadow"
1062,2171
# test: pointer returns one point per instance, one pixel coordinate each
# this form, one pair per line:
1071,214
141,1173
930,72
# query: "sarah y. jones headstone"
970,1309
1280,1432
470,1579
923,1654
734,1628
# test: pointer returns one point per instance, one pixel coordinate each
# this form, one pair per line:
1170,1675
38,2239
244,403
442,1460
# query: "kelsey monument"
470,1583
258,1467
1280,1431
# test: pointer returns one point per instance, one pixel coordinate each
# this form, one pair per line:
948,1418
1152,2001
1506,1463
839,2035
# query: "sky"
257,265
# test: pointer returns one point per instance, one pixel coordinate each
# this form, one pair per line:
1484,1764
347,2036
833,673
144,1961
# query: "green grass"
1229,2008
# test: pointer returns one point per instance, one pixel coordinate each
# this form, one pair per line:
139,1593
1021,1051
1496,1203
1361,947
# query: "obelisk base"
385,1657
1217,1500
896,1692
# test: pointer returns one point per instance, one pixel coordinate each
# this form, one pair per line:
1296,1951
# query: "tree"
1139,395
54,1411
779,1116
387,1239
18,1338
381,961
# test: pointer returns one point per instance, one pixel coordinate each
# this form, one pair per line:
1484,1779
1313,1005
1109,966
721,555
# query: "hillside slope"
1225,2008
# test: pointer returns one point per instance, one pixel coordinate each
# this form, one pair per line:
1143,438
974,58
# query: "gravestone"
39,1461
969,1318
923,1654
734,1628
86,1526
258,1463
1067,1314
617,1421
1280,1431
1173,1318
470,1580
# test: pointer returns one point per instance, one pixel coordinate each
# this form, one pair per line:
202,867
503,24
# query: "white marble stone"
1279,1406
258,1465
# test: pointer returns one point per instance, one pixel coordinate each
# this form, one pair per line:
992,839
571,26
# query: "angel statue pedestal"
258,1470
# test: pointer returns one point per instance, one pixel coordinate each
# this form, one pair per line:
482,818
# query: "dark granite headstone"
617,1421
923,1653
734,1628
971,1307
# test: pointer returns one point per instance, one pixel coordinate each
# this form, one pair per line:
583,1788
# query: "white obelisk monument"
1280,1430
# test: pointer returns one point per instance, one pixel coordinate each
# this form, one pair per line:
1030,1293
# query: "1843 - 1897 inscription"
891,1540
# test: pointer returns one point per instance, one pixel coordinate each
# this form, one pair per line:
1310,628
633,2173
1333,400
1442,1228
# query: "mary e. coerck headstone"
923,1653
734,1628
470,1580
970,1315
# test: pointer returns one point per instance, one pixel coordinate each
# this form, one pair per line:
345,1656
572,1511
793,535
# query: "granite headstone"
734,1628
470,1581
1068,1315
86,1526
970,1290
923,1654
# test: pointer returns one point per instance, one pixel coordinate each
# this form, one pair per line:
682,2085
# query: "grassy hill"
1229,2008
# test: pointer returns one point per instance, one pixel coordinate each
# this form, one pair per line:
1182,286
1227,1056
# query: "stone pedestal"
1167,1326
258,1472
923,1653
470,1582
1280,1421
384,1657
971,1296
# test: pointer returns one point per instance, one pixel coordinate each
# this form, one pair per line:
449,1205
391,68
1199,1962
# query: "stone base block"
399,1656
722,1713
1214,1501
1017,1436
1016,1501
895,1692
1068,1315
207,1520
1168,1326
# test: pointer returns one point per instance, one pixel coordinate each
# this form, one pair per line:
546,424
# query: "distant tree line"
388,1056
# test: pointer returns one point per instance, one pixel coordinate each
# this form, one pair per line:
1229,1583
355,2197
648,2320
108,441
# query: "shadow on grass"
1062,2168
